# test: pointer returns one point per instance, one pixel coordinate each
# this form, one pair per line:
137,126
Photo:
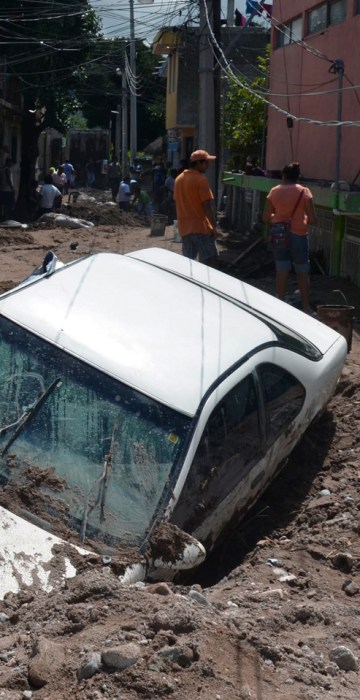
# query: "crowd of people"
157,196
48,196
184,194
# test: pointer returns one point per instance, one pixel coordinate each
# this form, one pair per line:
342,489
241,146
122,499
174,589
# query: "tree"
245,116
102,87
45,43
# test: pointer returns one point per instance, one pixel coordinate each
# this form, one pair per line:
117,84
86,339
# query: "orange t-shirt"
283,198
191,189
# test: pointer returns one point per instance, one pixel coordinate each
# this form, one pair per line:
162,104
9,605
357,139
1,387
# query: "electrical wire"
228,70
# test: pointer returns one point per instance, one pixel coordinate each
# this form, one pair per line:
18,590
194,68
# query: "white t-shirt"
48,196
124,192
59,179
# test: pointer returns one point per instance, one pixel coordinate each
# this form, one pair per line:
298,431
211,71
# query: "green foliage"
102,88
46,41
245,116
62,71
78,121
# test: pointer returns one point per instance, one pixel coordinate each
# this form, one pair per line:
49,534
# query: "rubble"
235,631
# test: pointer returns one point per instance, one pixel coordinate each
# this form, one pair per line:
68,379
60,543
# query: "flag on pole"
252,6
255,6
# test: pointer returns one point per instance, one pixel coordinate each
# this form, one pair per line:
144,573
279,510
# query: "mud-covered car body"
148,387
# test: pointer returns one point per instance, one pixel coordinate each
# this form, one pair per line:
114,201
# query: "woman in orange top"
292,202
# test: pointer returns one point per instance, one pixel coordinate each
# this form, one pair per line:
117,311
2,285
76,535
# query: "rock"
274,562
27,695
343,561
89,667
350,588
182,655
174,620
344,658
199,598
11,223
324,492
48,658
121,657
322,502
4,617
161,588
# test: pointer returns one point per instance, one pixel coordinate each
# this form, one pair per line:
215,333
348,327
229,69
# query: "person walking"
290,209
114,174
69,171
194,207
125,194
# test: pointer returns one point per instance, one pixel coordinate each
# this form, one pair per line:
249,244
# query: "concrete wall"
83,145
295,69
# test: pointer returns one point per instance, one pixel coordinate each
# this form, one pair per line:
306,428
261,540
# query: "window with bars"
290,32
327,14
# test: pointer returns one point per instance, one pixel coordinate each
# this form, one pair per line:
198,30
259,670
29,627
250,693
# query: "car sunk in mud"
144,389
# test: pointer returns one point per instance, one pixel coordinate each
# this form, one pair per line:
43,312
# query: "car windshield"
79,449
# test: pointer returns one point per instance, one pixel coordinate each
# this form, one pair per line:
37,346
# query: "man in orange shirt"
194,208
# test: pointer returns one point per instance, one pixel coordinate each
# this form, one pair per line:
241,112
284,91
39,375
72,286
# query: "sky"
115,15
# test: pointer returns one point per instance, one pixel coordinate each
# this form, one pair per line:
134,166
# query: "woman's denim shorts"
298,254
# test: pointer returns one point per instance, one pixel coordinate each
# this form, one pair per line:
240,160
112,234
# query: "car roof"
149,319
154,330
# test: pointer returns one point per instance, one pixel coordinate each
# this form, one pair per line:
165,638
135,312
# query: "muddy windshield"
79,449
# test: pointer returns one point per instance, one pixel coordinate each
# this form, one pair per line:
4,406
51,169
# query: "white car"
145,388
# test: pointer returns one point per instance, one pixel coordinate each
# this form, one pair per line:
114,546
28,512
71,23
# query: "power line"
228,70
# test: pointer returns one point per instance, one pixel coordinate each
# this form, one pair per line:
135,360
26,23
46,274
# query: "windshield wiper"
102,482
29,413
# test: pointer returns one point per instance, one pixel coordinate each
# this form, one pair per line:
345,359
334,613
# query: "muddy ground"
274,615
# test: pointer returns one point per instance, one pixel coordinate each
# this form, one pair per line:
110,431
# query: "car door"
243,441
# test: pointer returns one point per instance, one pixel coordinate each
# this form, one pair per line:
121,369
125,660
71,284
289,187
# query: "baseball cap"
201,155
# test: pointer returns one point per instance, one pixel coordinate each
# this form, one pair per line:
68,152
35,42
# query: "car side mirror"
169,550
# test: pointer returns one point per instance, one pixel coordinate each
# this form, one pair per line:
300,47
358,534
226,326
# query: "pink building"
311,35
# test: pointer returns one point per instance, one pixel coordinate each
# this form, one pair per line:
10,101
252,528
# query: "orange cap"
201,155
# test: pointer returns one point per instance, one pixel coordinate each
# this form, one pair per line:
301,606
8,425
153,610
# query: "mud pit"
266,617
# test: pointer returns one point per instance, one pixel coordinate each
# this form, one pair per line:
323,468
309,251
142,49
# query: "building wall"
188,81
295,69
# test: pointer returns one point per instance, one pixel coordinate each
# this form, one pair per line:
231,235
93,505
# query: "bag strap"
296,204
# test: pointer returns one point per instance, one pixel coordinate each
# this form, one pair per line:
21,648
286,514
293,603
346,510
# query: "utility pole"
117,132
338,67
124,129
133,105
206,84
230,13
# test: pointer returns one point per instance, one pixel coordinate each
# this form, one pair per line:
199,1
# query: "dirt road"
275,615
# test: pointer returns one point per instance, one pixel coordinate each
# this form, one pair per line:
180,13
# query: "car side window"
231,444
284,397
